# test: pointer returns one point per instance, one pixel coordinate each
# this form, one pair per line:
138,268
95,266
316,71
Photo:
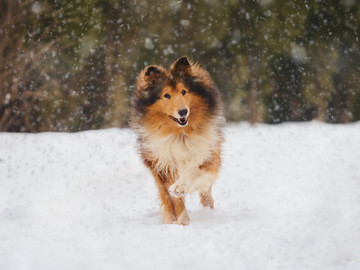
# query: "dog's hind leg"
212,169
206,198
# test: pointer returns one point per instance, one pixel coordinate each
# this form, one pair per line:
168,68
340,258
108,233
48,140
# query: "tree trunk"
253,107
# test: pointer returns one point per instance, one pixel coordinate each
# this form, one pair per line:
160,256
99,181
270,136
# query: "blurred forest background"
71,65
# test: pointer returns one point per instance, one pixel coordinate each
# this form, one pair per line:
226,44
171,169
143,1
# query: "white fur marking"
182,155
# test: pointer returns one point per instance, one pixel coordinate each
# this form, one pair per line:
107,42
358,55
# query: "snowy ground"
288,198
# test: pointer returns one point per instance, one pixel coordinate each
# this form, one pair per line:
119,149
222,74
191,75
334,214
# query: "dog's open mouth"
181,121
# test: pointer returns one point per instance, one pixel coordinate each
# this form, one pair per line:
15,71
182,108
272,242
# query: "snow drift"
288,197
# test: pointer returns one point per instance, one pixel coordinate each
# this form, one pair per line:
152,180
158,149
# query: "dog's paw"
177,190
183,218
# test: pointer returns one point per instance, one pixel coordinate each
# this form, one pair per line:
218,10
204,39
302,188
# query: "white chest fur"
181,153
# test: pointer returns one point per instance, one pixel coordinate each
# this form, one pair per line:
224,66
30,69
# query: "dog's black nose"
183,112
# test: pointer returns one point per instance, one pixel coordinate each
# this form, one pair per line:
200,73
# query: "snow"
288,197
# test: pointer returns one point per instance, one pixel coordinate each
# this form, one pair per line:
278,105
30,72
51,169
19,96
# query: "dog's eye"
183,92
167,96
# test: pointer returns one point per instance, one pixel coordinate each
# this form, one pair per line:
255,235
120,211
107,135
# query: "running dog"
178,117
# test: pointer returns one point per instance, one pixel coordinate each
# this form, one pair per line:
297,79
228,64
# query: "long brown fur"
183,152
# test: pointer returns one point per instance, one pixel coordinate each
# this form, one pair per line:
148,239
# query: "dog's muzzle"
182,121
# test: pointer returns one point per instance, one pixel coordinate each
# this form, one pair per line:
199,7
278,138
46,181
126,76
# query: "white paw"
178,189
183,219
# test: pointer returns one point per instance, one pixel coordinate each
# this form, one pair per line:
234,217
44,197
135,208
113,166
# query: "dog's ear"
152,70
150,77
181,67
152,74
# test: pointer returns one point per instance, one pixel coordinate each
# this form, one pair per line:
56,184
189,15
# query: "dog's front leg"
182,185
179,188
193,180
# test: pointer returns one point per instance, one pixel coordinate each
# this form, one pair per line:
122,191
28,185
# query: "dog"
178,117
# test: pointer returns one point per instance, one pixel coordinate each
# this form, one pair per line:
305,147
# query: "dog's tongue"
182,120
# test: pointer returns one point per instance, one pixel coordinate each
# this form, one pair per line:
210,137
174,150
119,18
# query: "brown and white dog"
178,117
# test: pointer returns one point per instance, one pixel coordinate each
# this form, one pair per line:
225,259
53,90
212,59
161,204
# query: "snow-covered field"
288,198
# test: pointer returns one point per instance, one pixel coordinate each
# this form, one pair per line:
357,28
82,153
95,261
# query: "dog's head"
179,97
